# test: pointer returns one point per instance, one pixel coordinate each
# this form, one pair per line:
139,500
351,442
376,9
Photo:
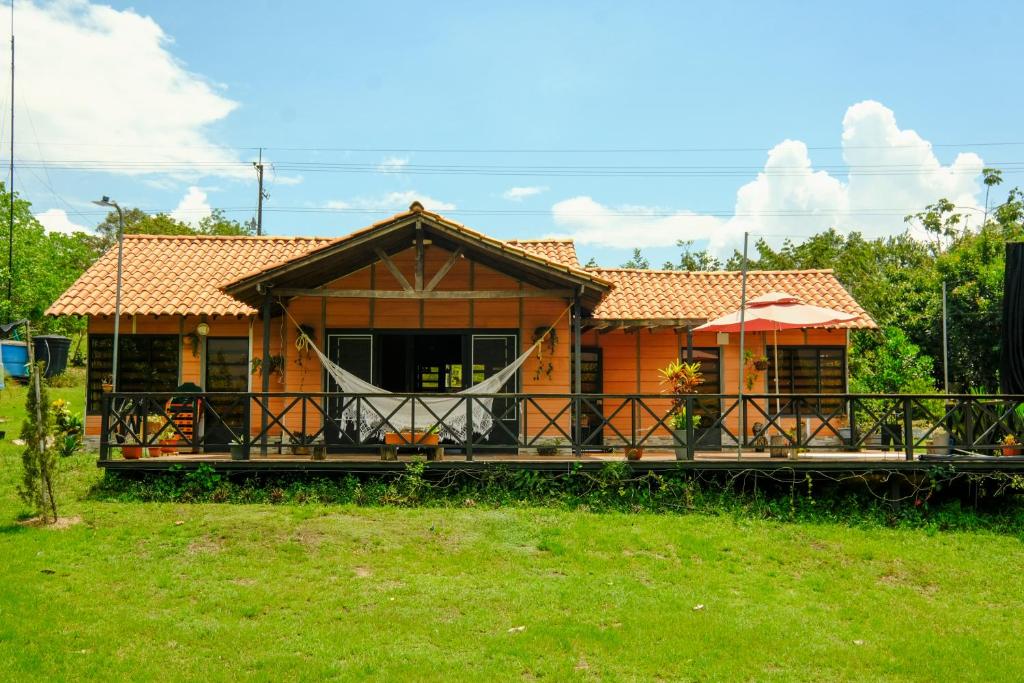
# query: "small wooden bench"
390,451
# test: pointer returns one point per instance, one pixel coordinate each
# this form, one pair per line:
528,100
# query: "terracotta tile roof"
559,251
683,295
536,252
165,275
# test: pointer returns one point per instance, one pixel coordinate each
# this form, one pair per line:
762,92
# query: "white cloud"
890,172
393,164
626,227
518,194
193,207
101,84
392,201
56,220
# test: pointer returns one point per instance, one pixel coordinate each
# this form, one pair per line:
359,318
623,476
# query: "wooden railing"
257,423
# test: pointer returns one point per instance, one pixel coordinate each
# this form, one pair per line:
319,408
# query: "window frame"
787,384
95,375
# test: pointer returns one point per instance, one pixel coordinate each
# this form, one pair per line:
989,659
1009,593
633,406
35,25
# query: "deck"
656,461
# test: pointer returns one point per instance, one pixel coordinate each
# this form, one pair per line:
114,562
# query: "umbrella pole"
743,325
775,350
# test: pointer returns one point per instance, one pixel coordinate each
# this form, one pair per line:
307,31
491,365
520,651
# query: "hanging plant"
755,365
549,339
304,344
276,365
193,343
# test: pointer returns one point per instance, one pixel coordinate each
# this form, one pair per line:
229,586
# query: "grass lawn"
304,592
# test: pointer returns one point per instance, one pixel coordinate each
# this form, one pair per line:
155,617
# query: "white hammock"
445,413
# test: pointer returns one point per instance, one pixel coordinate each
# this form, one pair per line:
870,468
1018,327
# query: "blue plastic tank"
14,356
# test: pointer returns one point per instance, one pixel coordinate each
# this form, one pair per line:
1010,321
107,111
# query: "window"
146,362
808,370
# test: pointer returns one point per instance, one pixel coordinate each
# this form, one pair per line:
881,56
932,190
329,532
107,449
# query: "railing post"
908,428
105,426
469,428
969,423
632,422
690,446
854,437
577,431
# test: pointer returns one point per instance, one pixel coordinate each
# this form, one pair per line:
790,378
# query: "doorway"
421,363
227,370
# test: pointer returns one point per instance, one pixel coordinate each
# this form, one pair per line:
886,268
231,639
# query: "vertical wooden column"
577,374
268,307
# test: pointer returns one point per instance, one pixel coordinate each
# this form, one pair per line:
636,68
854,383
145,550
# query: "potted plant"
131,446
939,444
156,425
413,437
682,379
1011,446
549,446
301,443
238,450
680,421
634,452
107,383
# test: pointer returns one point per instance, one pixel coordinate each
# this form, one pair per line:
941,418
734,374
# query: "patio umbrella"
773,312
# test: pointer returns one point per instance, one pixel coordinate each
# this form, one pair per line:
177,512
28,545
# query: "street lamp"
109,203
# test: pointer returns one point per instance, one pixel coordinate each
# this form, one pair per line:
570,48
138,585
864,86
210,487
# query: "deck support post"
469,428
577,374
268,307
908,428
105,406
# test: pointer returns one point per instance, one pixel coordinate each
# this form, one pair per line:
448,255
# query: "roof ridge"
296,238
662,271
556,240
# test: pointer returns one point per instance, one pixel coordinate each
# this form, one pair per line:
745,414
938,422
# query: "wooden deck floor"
653,460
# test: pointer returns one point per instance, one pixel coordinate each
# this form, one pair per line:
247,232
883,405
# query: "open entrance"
414,361
421,363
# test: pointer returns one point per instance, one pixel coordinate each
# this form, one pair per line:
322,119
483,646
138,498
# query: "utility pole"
945,343
743,325
10,192
261,196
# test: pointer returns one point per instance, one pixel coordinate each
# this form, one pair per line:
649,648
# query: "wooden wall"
656,347
622,373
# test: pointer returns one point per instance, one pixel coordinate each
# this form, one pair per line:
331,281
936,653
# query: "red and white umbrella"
777,311
773,312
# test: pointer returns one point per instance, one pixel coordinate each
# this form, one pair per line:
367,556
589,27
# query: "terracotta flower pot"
411,439
1009,451
131,452
168,446
634,453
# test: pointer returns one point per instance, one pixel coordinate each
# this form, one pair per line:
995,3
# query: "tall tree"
693,260
638,260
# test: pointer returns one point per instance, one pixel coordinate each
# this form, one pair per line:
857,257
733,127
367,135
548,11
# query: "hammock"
445,413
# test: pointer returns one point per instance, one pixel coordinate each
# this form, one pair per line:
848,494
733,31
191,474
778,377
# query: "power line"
924,145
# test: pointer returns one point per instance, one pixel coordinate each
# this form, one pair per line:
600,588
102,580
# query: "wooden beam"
386,260
419,257
448,265
437,295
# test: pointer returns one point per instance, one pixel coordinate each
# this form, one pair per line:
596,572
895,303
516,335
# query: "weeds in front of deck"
943,500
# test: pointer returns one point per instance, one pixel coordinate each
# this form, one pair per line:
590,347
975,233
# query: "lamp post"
108,202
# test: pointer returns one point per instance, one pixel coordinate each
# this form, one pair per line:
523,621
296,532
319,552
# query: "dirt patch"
362,572
207,545
45,523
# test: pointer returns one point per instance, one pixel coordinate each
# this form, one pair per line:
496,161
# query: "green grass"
166,591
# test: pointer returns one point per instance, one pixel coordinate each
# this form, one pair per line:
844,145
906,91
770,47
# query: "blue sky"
160,105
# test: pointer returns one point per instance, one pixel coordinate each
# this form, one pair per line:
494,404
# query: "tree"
894,366
138,222
38,461
638,261
591,263
693,260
